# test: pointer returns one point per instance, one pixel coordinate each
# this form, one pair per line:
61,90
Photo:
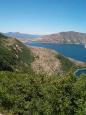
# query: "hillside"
38,81
45,61
15,56
64,37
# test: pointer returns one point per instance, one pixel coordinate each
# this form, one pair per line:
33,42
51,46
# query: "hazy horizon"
42,34
42,16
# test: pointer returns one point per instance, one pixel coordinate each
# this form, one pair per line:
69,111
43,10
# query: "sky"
42,16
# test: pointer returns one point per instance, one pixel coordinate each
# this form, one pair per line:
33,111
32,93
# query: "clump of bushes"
31,94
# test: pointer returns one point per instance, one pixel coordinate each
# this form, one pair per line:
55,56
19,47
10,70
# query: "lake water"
75,51
78,72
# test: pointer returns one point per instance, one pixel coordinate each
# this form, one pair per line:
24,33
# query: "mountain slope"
64,37
14,56
32,94
45,61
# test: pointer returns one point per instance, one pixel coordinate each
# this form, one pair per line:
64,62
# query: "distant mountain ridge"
21,35
64,37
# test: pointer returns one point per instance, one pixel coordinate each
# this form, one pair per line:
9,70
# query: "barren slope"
45,61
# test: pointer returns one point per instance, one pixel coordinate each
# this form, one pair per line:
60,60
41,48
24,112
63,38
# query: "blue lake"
78,72
75,51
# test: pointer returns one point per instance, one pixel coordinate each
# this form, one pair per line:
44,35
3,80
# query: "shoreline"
77,70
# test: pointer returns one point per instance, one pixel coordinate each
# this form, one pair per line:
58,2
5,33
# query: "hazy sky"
42,16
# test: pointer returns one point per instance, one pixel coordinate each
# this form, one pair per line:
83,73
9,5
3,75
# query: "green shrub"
31,94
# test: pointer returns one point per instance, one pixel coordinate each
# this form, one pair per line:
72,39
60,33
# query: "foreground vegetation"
31,94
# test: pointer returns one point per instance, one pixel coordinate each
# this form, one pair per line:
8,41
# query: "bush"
31,94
